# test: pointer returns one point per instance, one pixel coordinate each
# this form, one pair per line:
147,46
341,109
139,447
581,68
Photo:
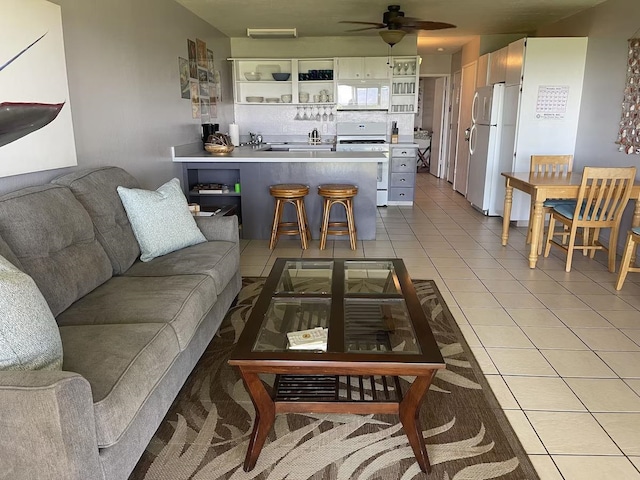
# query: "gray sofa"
131,331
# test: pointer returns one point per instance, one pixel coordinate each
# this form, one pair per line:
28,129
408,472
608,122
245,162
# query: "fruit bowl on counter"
219,144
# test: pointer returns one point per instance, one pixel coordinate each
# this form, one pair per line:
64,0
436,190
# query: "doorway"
432,117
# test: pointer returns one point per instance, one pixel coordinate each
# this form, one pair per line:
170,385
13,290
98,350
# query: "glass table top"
356,306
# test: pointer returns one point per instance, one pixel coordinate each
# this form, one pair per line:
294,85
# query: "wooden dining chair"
626,266
602,197
548,165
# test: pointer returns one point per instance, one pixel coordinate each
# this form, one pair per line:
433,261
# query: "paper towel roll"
234,133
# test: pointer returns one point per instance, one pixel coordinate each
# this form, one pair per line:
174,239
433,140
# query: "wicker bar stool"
294,194
342,194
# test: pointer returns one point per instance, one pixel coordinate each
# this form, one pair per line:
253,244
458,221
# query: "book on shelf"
312,339
211,188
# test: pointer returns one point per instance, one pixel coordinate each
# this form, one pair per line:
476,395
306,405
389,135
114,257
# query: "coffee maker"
209,129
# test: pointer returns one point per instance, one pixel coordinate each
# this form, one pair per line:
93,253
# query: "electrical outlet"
325,128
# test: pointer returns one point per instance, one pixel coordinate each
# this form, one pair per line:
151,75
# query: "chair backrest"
551,164
603,195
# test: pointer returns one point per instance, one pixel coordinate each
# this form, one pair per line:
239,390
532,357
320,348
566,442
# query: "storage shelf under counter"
256,170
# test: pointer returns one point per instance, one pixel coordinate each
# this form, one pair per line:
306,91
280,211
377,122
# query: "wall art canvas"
193,64
183,67
210,61
195,99
201,48
36,129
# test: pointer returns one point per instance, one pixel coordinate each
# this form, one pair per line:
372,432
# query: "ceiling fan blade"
363,29
377,25
426,25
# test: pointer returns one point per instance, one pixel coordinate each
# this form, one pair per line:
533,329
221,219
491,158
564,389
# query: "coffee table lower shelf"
309,393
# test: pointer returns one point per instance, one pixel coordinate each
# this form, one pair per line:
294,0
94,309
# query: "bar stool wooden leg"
326,207
302,222
277,215
306,222
351,223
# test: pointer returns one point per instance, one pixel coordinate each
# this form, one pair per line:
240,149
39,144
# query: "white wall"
435,64
316,47
122,62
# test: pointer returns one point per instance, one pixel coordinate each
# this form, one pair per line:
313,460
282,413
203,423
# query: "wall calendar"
552,101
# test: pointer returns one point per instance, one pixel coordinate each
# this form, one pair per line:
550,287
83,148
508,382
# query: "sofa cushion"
52,236
219,260
95,189
123,364
29,336
182,301
161,220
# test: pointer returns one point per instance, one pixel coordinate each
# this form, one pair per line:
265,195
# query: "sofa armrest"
48,426
219,228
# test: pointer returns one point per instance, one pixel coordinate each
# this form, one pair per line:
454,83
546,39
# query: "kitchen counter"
193,152
256,169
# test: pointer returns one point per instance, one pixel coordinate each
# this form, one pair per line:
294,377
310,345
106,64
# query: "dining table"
543,186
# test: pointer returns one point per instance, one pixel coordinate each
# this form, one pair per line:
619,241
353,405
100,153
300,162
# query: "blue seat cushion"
568,210
553,202
636,230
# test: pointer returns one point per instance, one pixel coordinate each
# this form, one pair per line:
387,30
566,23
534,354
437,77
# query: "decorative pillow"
29,335
161,220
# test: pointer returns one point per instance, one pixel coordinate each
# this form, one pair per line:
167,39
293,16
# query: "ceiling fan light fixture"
272,32
392,36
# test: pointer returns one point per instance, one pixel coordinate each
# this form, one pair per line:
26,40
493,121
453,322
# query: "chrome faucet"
254,139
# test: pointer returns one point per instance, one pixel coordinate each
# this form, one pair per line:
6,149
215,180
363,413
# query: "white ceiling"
317,18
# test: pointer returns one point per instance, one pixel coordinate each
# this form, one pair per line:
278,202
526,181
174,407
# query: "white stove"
367,137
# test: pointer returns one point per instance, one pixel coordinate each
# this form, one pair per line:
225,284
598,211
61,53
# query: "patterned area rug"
206,432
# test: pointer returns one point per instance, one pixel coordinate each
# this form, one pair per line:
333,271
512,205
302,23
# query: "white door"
453,126
467,91
438,146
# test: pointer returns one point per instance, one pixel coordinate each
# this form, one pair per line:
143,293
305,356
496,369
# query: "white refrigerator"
485,188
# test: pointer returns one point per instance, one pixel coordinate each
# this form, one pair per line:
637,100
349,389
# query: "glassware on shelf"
324,115
405,68
412,68
298,116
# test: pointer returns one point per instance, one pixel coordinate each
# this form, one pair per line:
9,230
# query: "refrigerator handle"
467,133
470,139
474,108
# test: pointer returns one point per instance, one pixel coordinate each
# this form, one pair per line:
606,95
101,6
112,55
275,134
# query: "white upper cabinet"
483,71
515,59
362,68
498,66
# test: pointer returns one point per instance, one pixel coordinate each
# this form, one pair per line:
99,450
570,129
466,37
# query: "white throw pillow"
161,220
29,335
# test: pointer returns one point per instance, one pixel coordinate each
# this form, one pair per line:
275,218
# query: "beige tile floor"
561,350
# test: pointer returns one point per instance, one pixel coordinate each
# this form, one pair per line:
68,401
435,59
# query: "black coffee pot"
209,129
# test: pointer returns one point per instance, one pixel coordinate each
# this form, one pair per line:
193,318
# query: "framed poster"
36,131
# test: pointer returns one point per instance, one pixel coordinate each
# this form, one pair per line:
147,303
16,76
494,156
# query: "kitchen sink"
296,147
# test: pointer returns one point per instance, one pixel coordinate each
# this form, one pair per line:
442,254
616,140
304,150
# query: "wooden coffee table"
377,332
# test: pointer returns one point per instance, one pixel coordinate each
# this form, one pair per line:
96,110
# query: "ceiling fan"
397,25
